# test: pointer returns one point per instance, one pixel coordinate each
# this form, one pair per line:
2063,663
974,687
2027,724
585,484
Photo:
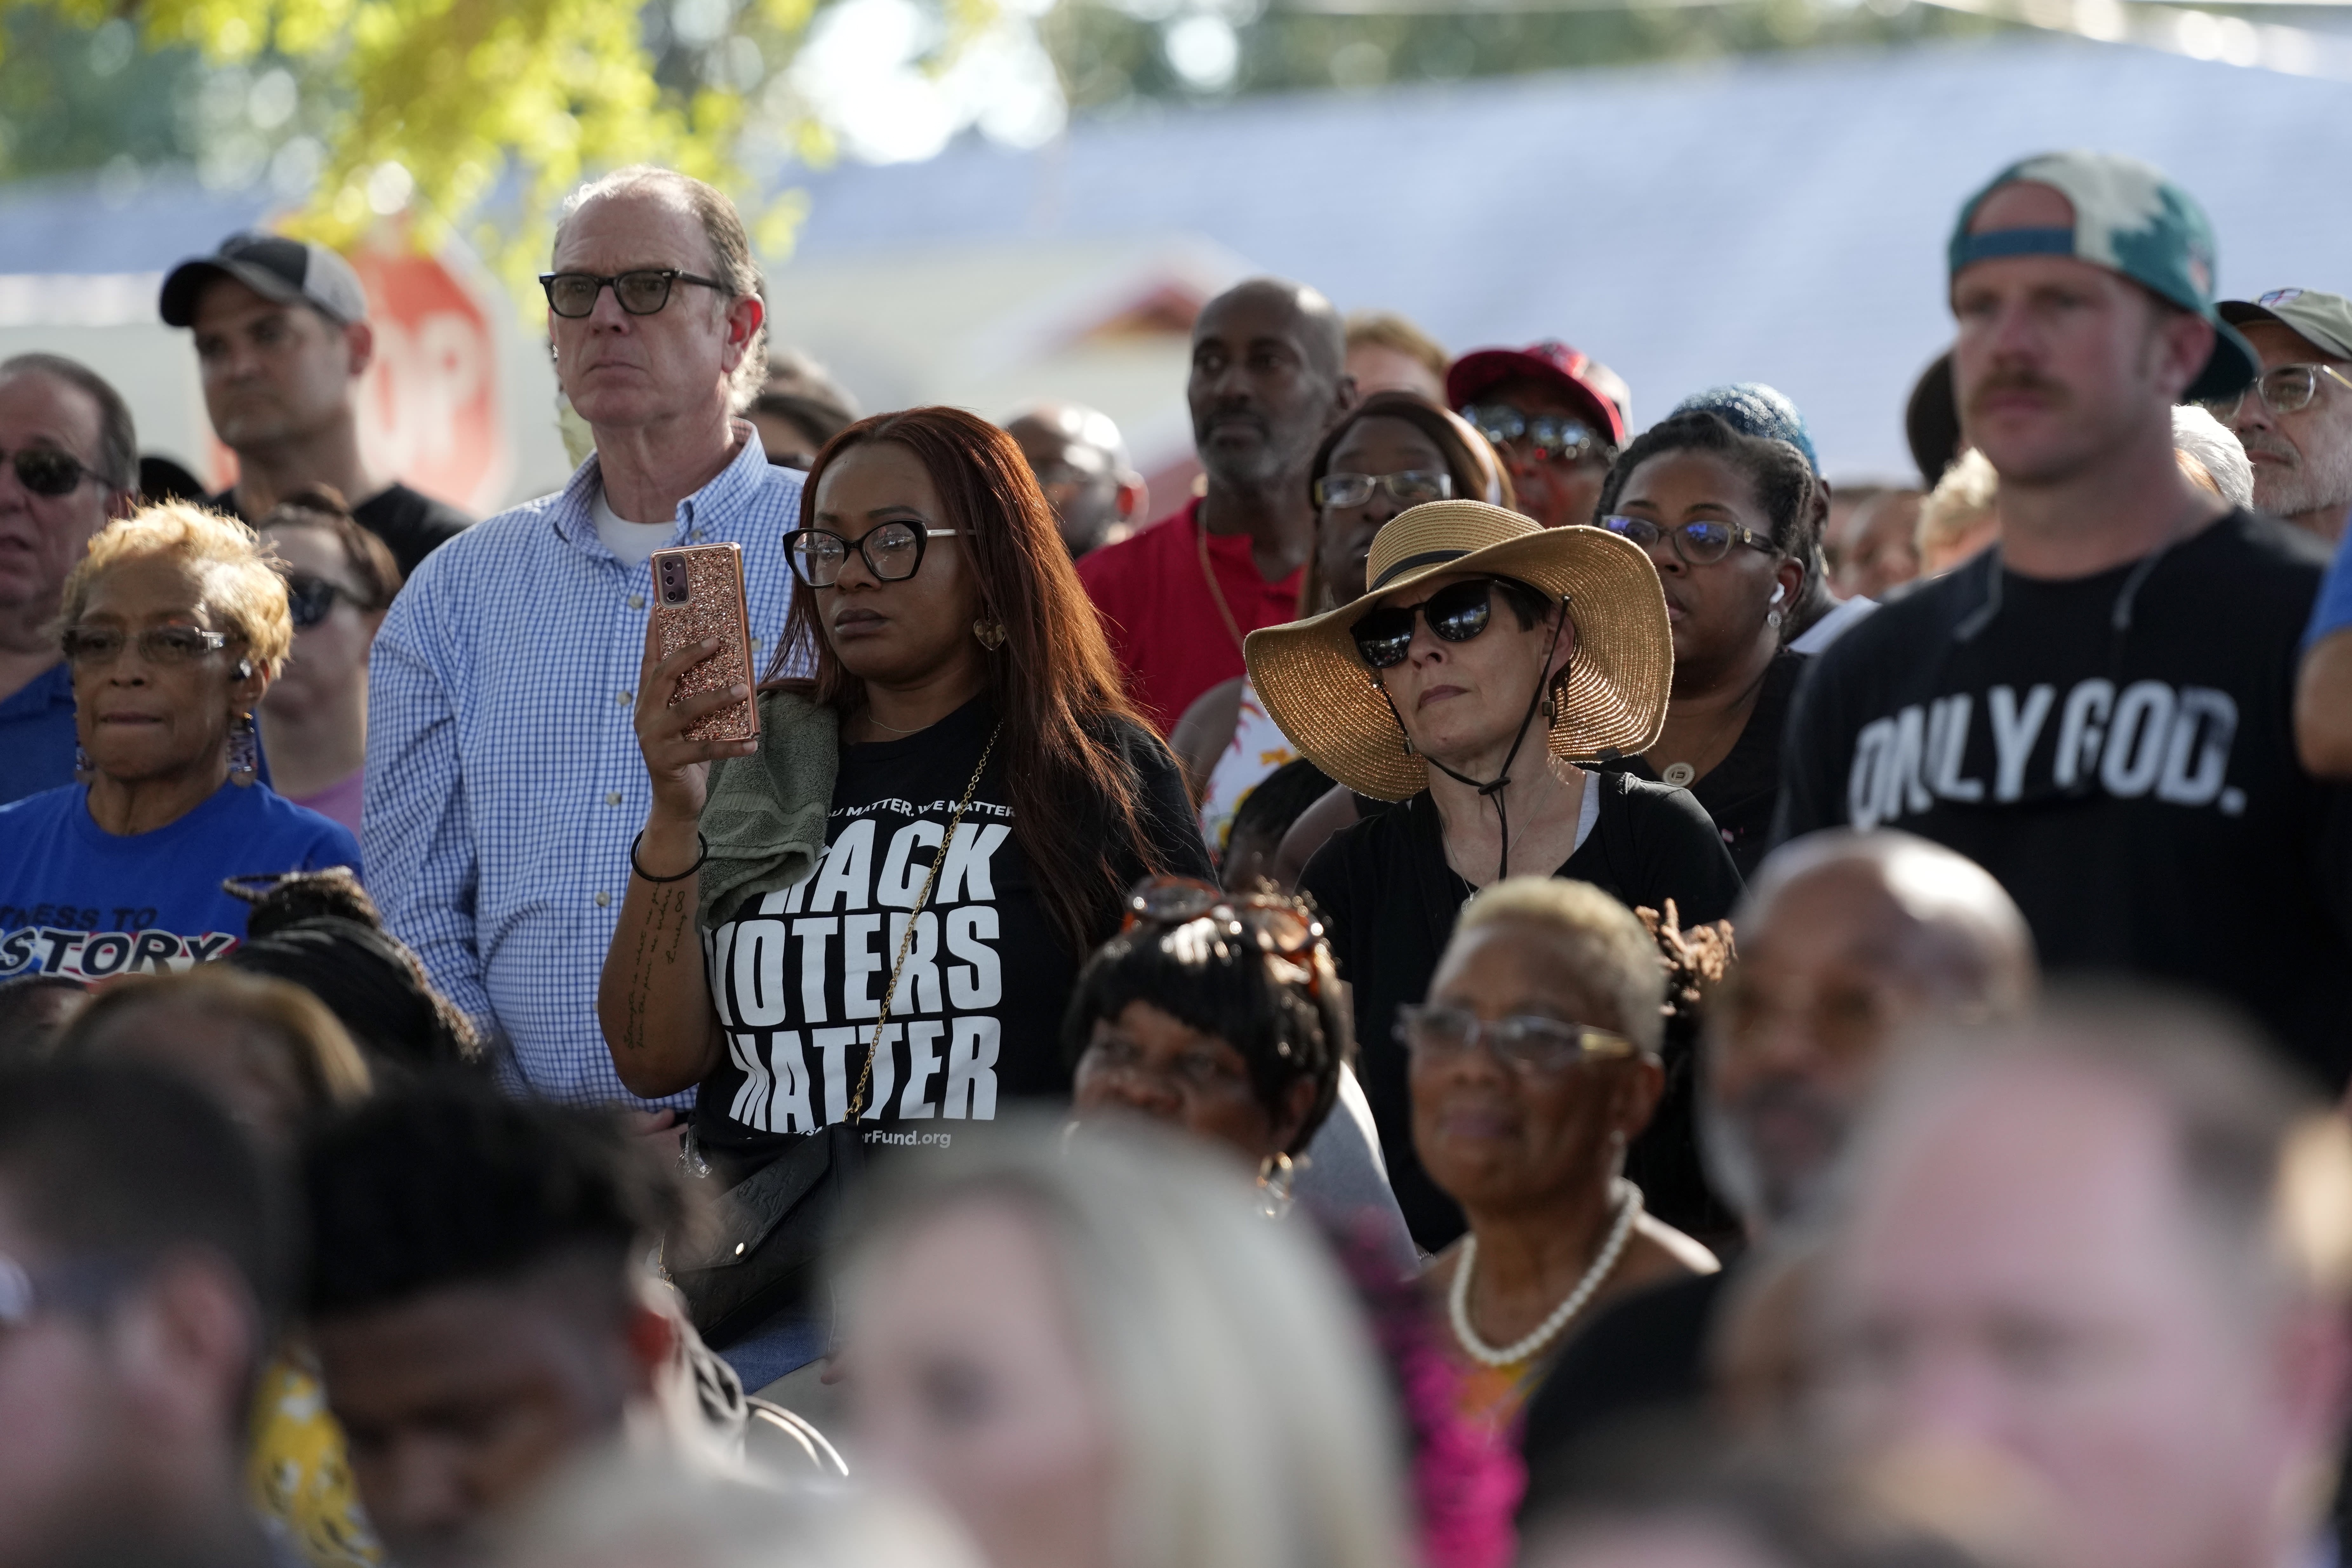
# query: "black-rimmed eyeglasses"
1410,488
893,552
1702,543
573,295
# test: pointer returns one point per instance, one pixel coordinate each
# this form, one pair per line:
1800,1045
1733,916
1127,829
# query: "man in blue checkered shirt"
504,781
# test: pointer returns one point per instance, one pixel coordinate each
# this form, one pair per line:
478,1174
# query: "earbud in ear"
1780,591
245,669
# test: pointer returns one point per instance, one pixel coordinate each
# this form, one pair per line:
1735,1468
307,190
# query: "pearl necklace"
1628,1209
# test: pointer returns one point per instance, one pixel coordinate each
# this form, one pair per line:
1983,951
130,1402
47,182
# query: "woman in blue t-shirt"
173,625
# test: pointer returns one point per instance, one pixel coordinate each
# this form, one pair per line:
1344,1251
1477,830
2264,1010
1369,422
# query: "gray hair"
731,260
118,438
1617,956
1241,1387
1969,492
2218,450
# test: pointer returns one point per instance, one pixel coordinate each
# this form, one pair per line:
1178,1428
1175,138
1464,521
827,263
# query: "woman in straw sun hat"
1486,659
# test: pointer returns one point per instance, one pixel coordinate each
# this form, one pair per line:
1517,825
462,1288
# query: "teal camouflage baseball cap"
2128,218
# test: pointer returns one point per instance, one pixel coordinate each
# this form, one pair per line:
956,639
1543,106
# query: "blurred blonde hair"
1246,1407
623,1508
1964,497
278,1016
1614,953
1387,330
242,593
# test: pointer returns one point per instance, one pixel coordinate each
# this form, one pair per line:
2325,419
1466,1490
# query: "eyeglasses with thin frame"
2284,389
1526,1042
48,472
1557,437
893,551
1702,543
95,647
642,292
1193,1072
1456,613
1409,488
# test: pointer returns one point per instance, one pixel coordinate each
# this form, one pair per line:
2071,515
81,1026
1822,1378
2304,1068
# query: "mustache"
1216,417
2001,382
2254,443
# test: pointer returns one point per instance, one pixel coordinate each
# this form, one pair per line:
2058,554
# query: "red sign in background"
430,416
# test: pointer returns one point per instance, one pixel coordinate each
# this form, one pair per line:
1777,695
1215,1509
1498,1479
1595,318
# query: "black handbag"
770,1235
774,1225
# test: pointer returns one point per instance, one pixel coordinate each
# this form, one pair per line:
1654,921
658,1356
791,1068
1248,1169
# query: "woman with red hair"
884,900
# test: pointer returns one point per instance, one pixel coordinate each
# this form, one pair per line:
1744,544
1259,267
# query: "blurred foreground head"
641,1510
1099,1354
1845,940
142,1269
475,1303
2083,1288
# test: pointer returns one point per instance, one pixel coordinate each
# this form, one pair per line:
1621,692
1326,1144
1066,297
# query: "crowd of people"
1499,985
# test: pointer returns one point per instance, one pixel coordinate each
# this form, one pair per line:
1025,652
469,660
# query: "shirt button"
602,900
621,698
637,602
612,798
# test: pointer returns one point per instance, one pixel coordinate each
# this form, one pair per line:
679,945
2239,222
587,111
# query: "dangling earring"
1274,1177
83,767
1773,620
991,633
243,750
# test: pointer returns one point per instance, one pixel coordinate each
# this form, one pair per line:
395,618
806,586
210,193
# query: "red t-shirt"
1162,622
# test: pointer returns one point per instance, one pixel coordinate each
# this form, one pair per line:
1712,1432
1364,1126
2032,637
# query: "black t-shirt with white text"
797,976
2119,751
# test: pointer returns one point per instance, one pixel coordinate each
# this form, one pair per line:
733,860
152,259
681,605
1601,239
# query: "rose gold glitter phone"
699,593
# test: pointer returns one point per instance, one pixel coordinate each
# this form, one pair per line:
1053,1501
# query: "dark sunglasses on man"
573,295
1557,437
45,471
1456,613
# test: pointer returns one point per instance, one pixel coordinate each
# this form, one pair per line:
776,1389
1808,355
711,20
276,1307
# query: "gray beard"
2317,482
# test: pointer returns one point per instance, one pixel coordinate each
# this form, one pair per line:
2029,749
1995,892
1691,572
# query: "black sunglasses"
310,600
1456,613
45,471
643,292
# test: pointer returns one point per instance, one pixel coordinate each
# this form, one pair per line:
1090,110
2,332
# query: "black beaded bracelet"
648,876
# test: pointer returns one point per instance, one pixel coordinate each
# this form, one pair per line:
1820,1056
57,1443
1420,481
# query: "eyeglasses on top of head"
1702,543
1281,925
642,292
1410,488
95,647
893,552
1557,437
2285,389
48,472
1456,613
1530,1044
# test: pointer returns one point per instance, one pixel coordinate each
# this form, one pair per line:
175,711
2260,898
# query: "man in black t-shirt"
282,339
2098,709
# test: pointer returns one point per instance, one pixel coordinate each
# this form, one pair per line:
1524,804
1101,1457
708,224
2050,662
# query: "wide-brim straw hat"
1324,697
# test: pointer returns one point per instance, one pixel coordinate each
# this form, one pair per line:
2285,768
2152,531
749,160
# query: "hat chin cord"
1494,791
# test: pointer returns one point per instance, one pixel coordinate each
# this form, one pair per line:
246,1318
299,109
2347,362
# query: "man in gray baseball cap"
2295,421
282,342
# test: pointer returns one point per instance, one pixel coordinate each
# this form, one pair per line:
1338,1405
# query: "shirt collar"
574,515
